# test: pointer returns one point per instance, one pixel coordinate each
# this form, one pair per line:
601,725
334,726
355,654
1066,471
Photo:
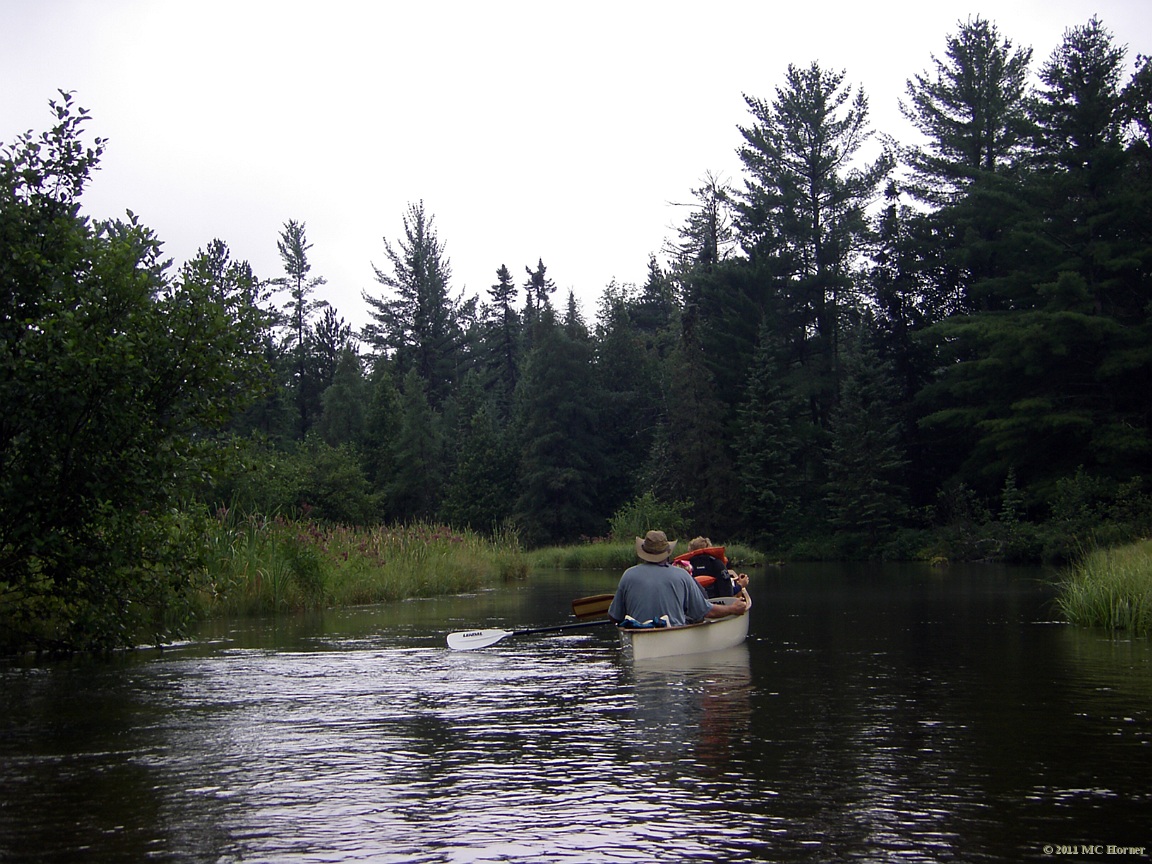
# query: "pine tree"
655,311
345,420
481,490
416,486
804,208
1080,114
501,341
631,399
562,457
972,111
538,290
328,341
708,234
418,327
696,447
293,247
864,490
382,429
771,479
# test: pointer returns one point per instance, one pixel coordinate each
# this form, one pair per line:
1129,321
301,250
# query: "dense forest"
862,348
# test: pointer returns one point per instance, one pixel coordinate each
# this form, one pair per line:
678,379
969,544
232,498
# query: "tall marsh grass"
615,555
254,564
1111,588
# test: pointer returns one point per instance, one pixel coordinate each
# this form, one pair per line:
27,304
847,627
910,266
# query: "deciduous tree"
112,378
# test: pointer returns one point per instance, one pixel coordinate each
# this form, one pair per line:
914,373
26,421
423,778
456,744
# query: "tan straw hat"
654,547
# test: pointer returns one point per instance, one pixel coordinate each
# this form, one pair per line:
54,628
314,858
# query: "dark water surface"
875,714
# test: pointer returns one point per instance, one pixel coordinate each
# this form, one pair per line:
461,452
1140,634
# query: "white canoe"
712,634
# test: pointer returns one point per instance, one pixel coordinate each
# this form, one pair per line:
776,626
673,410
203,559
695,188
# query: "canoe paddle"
466,640
595,606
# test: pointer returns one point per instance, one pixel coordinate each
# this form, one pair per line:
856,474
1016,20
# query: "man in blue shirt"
653,589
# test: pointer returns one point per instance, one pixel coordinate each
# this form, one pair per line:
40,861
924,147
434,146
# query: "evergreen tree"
574,324
329,340
1055,377
770,474
708,235
416,486
382,429
973,114
631,397
805,207
696,446
562,457
538,290
656,310
864,463
905,289
481,490
972,111
418,327
502,331
293,247
1081,118
344,420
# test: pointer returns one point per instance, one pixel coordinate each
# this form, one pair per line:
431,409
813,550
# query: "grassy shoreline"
1110,588
616,555
257,565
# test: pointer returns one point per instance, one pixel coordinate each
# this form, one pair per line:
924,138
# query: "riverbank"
618,556
1111,588
256,565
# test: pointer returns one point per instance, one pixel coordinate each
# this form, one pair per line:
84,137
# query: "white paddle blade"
467,640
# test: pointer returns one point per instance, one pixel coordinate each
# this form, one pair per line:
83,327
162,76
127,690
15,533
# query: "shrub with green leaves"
112,377
646,513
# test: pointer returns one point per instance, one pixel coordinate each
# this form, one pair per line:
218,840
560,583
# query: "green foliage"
419,326
617,555
110,376
416,484
864,461
260,565
345,416
646,513
972,112
1004,412
293,247
772,478
1110,588
611,555
700,467
500,344
562,459
481,492
311,478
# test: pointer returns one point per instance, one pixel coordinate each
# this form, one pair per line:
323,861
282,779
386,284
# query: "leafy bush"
112,374
646,513
312,478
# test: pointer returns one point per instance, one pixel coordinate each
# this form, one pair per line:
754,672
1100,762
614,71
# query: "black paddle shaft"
558,627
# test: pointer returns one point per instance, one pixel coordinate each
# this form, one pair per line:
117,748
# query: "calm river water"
875,714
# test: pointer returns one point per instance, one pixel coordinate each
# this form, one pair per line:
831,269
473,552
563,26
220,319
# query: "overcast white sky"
531,130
